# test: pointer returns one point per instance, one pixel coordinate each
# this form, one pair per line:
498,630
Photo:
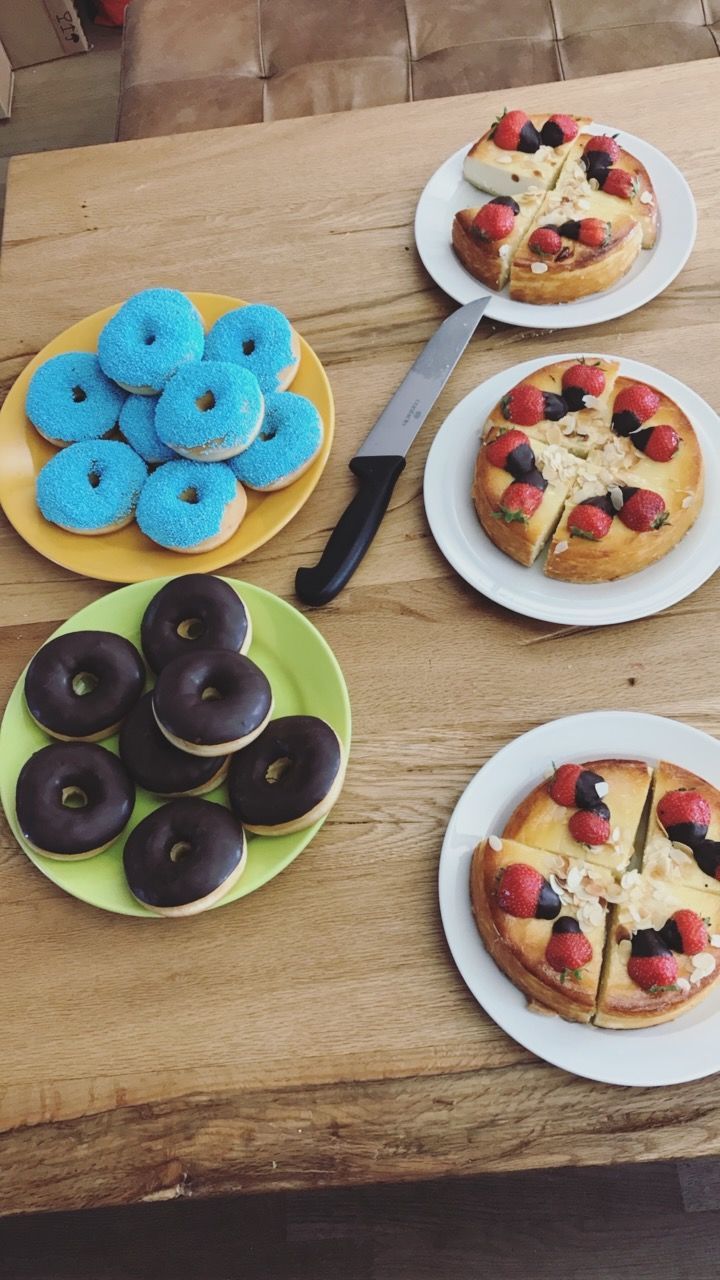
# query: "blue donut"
91,487
183,504
149,338
289,439
137,423
70,399
259,338
210,411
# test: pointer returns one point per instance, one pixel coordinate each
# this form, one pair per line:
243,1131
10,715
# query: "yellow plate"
127,555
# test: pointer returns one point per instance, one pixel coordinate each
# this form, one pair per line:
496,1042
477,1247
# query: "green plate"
306,680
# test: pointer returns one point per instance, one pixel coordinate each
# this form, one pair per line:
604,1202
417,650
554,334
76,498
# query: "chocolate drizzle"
548,906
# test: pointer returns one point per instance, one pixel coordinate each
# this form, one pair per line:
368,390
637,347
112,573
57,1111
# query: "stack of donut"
167,424
207,718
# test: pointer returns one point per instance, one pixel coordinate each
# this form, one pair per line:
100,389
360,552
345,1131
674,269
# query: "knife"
381,456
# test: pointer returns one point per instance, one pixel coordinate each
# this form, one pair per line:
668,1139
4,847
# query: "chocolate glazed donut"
212,702
184,857
289,777
193,613
157,765
73,799
81,685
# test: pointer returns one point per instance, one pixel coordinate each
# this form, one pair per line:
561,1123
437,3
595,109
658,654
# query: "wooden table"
317,1032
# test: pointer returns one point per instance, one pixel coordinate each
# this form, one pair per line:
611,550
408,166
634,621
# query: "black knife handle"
353,532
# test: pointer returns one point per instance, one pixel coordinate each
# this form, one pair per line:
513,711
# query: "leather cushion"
197,64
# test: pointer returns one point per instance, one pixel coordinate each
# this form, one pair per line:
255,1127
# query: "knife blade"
381,457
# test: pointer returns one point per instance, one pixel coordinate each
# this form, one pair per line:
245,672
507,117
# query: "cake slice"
652,443
572,251
520,151
485,237
571,405
616,531
590,811
599,169
662,955
683,837
542,918
517,505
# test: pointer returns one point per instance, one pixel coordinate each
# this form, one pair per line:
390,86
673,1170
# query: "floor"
591,1224
579,1224
71,102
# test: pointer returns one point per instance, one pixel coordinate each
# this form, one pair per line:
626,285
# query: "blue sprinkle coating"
231,423
66,495
167,519
268,330
152,335
70,399
290,436
137,423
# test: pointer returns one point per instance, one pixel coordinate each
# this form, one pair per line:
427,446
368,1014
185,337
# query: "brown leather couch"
197,64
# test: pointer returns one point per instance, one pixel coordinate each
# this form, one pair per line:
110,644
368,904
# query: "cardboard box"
7,83
35,31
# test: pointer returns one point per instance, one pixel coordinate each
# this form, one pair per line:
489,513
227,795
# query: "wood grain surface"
317,1032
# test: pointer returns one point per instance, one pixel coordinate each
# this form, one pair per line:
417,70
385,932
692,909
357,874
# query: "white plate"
686,1049
462,540
653,270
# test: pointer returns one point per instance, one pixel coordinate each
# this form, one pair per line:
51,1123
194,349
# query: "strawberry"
685,816
707,856
651,966
588,520
618,182
513,131
563,783
685,932
660,443
575,787
591,826
633,406
642,509
493,221
545,242
511,450
604,143
579,381
568,949
594,232
524,405
519,502
558,129
523,892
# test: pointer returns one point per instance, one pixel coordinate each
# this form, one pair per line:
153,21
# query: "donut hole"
277,769
84,682
180,850
149,339
74,798
190,629
248,347
78,395
211,694
269,434
93,479
205,401
189,495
